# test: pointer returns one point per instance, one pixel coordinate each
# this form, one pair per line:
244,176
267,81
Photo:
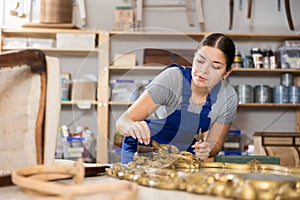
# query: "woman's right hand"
132,121
139,130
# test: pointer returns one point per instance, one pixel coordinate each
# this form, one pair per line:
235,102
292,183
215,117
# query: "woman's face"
209,67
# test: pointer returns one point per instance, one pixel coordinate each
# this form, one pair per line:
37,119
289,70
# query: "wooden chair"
29,109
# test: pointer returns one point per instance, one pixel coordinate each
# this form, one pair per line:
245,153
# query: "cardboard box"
125,60
84,90
76,41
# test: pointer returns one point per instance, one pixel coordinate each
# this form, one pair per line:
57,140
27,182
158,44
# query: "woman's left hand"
202,150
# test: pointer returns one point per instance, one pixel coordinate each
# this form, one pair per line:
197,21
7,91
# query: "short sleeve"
228,111
165,88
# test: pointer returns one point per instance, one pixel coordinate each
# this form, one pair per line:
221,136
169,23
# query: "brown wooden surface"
277,134
33,57
5,180
284,145
167,56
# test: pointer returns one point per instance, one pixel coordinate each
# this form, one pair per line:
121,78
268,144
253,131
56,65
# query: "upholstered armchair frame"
30,107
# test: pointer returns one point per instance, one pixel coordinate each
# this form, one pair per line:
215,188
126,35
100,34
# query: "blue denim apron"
180,127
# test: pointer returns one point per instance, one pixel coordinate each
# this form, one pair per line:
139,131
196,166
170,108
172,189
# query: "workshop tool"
199,136
189,13
18,11
249,9
241,5
199,11
140,4
231,7
139,13
145,150
289,15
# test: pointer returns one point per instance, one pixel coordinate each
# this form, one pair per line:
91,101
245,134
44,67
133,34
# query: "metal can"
262,94
287,79
245,93
281,94
294,94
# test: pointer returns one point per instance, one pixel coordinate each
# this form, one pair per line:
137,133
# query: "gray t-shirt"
166,89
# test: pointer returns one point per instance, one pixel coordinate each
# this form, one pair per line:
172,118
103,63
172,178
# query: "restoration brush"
145,150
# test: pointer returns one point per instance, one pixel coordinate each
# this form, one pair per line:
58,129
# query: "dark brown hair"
222,42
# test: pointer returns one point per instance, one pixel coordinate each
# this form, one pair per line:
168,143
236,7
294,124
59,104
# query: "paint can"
287,79
262,94
294,94
281,94
245,93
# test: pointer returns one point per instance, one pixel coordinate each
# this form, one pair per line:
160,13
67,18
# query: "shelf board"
253,71
120,103
263,36
235,70
40,32
158,33
268,105
55,50
265,70
68,103
136,67
127,103
234,36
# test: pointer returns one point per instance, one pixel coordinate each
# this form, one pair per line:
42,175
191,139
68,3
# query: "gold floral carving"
174,170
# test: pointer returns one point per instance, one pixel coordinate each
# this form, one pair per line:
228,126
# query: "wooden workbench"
145,193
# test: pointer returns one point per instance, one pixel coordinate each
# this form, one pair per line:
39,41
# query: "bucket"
56,11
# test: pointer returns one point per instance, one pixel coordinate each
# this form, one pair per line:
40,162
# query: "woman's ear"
227,73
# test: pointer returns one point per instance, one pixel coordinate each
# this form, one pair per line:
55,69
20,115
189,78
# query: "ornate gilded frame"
187,172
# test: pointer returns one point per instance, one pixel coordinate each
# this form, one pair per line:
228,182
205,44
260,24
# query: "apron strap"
186,83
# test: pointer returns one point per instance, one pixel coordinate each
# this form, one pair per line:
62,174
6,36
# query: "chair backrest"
25,114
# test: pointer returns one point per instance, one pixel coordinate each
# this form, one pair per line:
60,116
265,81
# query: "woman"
181,102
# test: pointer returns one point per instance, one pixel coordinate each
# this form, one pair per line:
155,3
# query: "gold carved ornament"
167,168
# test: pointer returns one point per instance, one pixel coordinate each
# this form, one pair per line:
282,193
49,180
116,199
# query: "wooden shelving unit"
51,34
105,69
236,72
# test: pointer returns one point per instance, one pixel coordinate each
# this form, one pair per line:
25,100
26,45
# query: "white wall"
265,19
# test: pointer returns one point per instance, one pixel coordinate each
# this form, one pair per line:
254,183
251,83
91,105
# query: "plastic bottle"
257,56
237,62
